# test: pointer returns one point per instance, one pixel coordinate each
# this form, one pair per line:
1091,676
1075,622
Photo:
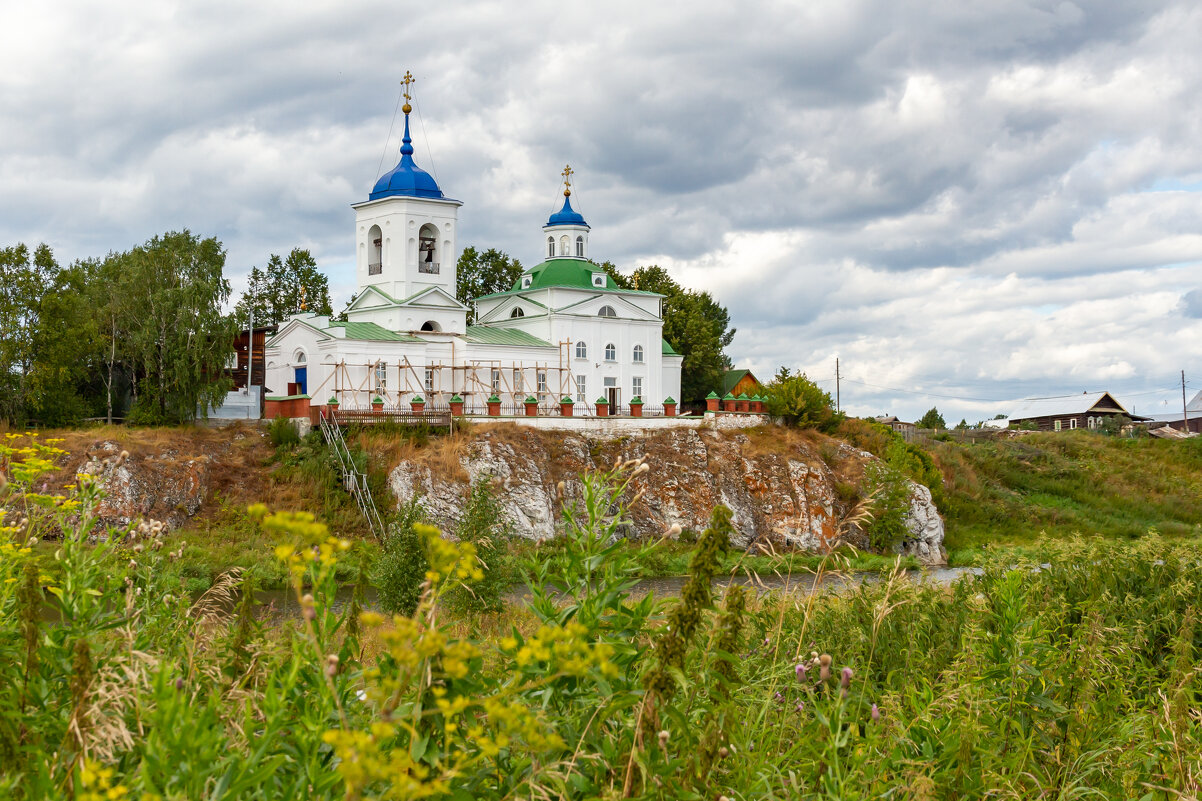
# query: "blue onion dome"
567,215
406,179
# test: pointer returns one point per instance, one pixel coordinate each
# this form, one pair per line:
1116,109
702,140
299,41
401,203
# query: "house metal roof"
1029,408
666,348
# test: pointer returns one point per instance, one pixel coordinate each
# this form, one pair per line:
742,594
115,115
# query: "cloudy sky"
966,203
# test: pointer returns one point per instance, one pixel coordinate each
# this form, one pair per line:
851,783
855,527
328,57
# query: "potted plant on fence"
669,406
531,403
418,404
456,406
494,406
636,406
602,407
565,406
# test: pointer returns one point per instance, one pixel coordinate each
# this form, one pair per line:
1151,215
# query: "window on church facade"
496,381
638,354
636,387
611,353
550,246
429,380
517,379
581,350
581,389
542,382
580,247
563,246
381,377
607,311
517,312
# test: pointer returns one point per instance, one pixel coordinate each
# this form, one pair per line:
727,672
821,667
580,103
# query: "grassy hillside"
1010,490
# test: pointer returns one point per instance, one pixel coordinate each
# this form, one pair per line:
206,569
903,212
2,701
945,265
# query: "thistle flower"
801,707
663,738
800,671
179,683
332,665
673,532
876,714
845,677
723,752
307,607
824,672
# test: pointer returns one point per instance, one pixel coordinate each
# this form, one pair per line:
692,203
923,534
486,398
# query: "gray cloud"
982,200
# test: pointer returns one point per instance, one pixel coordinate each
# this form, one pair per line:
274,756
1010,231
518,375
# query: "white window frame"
429,380
517,312
581,389
550,247
638,354
580,247
1055,425
517,381
636,386
606,311
611,352
581,350
541,382
381,377
496,381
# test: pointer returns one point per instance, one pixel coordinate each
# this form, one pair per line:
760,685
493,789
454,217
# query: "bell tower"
405,230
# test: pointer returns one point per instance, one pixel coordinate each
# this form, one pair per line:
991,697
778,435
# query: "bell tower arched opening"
375,251
427,250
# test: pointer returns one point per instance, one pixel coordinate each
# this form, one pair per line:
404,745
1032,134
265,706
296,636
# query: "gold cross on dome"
567,179
408,79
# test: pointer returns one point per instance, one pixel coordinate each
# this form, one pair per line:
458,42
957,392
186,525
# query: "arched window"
607,311
300,357
638,353
581,350
563,246
611,353
427,249
375,251
430,325
550,246
580,247
517,312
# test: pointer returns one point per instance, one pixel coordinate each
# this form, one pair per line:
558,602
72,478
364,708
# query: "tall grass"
1070,675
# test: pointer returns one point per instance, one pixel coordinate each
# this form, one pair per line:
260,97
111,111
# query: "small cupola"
566,231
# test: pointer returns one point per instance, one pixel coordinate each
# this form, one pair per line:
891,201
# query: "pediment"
504,309
435,297
291,327
623,308
371,298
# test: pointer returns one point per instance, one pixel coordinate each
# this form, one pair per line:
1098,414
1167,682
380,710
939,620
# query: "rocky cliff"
785,488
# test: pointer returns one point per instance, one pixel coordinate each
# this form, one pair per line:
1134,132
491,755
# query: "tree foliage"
800,402
279,291
483,274
695,325
932,419
147,324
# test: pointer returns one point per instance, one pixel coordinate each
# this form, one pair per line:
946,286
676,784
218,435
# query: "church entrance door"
302,375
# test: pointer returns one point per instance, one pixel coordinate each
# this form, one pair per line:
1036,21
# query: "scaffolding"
356,385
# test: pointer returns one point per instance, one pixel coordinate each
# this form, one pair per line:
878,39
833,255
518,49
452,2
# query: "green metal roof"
667,349
571,273
372,332
484,335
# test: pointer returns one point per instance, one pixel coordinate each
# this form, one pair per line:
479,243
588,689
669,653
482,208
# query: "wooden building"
1088,410
739,382
895,424
238,371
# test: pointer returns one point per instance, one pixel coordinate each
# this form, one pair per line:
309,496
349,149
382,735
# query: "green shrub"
401,568
890,492
800,402
282,433
483,525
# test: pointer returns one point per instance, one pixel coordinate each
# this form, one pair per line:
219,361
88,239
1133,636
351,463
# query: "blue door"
302,374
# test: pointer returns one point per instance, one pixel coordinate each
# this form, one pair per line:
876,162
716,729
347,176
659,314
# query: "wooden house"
1088,410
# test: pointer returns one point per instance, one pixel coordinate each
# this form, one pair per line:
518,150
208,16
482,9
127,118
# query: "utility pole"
838,406
1184,410
250,352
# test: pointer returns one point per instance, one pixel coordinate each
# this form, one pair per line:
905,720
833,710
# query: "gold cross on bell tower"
406,81
567,180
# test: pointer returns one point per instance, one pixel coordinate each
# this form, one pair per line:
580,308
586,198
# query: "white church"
564,330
